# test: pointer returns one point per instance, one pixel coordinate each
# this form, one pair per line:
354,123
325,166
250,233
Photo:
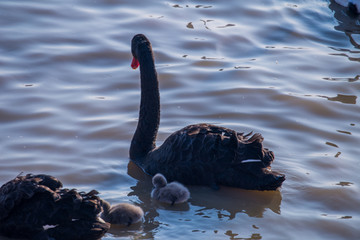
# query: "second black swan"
37,207
200,154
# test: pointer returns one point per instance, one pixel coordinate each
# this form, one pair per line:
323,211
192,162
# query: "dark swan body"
37,207
200,154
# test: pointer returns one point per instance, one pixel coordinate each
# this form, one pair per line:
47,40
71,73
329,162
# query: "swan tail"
250,150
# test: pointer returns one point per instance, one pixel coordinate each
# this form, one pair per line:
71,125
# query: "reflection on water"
346,23
229,202
226,202
350,25
288,70
343,98
356,78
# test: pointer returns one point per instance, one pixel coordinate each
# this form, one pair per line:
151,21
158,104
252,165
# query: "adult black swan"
200,154
37,207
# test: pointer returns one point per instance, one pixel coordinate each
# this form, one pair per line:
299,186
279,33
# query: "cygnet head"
159,180
122,213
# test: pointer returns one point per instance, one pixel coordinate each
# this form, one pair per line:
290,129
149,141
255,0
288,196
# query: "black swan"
171,193
200,154
37,207
122,213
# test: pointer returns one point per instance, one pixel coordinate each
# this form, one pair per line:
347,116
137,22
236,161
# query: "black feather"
28,203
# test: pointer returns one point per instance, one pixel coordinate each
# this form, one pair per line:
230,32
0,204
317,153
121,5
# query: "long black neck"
149,116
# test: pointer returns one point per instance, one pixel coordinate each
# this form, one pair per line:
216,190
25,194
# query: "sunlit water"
288,69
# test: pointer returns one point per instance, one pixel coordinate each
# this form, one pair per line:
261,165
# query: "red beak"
135,63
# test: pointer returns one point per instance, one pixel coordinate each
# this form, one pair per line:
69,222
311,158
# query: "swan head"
138,43
159,180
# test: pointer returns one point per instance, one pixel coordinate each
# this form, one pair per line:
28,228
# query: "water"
287,69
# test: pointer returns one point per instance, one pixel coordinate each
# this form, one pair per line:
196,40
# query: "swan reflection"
224,203
348,24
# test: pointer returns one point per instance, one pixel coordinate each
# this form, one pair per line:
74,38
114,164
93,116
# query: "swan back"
205,154
28,203
23,188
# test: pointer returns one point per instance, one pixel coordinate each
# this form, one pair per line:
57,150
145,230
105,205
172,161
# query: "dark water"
287,69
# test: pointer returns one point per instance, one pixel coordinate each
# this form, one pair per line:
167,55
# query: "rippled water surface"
288,69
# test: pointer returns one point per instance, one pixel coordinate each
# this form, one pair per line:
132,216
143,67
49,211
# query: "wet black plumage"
202,154
37,207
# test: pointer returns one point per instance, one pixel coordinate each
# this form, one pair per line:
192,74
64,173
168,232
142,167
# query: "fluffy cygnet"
122,213
171,193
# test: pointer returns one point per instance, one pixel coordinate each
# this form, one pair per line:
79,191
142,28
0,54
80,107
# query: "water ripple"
288,70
